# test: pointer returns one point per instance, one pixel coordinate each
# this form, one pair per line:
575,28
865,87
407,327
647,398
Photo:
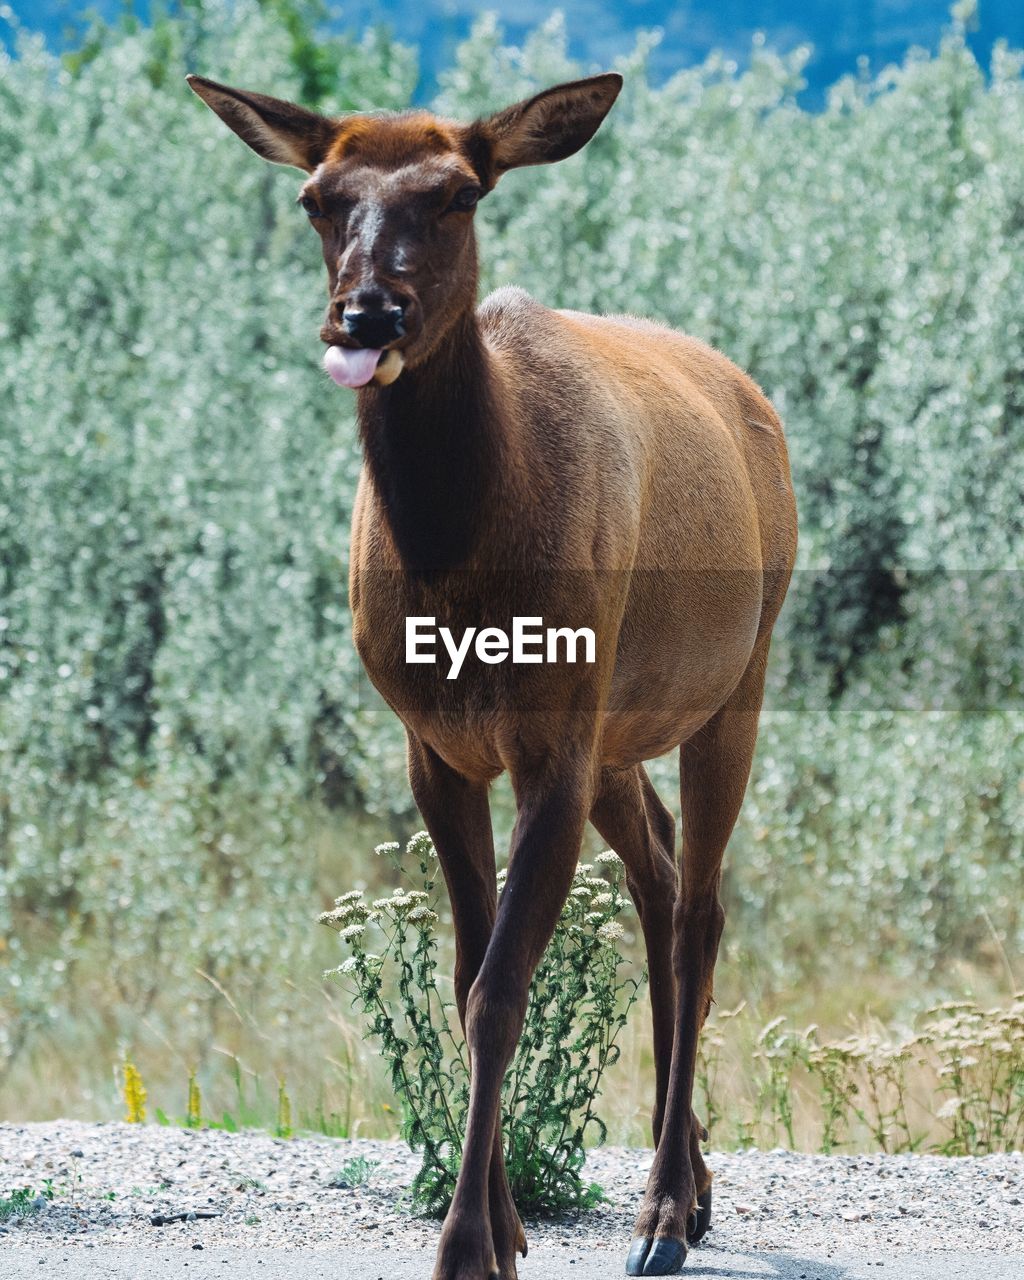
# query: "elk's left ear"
275,129
548,127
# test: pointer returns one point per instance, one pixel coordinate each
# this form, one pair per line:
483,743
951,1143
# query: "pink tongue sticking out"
351,366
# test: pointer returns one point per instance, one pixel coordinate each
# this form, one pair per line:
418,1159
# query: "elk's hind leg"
714,768
630,816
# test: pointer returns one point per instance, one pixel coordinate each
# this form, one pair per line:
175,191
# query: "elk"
601,472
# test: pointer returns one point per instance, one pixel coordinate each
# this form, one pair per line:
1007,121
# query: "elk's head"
392,196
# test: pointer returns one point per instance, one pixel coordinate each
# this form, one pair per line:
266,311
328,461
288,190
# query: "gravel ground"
112,1181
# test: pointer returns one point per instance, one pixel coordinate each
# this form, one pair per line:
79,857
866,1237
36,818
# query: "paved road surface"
122,1262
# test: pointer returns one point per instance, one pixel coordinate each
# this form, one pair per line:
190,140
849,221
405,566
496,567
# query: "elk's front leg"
458,819
552,806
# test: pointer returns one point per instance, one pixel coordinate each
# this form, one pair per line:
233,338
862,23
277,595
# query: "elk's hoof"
700,1220
662,1256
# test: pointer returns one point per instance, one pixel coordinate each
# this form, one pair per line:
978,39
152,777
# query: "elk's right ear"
277,130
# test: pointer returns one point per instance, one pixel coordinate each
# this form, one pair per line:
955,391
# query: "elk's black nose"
372,322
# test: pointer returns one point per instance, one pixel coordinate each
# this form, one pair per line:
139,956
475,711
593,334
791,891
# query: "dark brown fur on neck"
433,447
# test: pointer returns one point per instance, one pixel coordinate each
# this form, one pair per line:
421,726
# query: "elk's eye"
310,206
465,200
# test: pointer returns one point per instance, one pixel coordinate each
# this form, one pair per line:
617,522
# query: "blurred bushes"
177,681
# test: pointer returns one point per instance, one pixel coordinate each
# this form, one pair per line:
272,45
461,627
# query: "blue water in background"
600,30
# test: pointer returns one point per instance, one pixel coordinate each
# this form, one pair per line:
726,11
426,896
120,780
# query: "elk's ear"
277,130
548,127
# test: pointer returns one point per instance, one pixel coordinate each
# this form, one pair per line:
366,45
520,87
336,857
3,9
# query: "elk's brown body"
599,472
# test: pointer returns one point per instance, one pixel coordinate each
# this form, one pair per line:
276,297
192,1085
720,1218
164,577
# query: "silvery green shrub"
178,689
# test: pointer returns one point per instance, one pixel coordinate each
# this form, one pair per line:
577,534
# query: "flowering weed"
579,1002
954,1085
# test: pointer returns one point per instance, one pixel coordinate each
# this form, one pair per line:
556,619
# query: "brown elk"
600,472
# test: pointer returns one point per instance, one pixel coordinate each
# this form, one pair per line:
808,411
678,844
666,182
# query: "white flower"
388,847
352,932
398,904
611,932
581,891
585,869
422,915
592,917
334,919
421,846
353,895
949,1109
603,899
609,858
348,913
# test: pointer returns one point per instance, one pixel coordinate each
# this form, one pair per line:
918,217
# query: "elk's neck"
433,446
